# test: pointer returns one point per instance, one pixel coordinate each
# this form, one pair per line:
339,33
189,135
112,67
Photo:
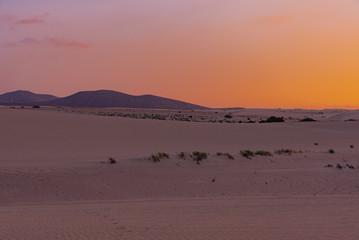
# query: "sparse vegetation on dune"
228,155
284,151
182,155
307,120
247,154
158,156
199,156
273,119
263,153
350,166
110,160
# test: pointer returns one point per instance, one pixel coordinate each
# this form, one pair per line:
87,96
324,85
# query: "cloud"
15,20
273,19
33,20
54,42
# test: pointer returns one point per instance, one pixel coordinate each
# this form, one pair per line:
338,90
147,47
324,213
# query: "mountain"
107,98
24,97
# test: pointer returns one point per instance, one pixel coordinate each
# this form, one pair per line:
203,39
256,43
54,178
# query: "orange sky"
249,53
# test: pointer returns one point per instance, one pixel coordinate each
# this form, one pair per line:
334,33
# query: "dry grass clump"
228,155
331,151
247,154
263,153
182,155
199,156
158,156
284,151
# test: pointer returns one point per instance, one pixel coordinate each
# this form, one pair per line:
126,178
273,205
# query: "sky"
228,53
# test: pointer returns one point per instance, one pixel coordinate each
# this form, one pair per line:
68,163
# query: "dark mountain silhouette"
24,97
107,98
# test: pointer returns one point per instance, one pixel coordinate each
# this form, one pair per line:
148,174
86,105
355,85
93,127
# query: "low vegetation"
263,153
247,154
350,166
308,120
351,146
182,155
273,119
199,156
228,155
284,151
112,160
316,144
331,151
158,156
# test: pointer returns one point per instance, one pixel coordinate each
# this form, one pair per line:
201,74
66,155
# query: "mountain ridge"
24,97
110,98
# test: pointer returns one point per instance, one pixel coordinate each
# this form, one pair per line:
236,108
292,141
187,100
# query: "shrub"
331,151
307,120
112,160
157,157
228,116
339,166
329,165
263,153
219,153
350,166
36,106
284,151
316,144
247,154
182,155
351,146
199,156
229,156
274,119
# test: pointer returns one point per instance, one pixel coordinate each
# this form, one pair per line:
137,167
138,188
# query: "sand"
56,182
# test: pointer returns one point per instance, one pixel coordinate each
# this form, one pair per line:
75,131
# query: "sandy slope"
54,186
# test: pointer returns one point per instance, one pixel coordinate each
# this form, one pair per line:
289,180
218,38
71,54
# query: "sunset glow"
250,53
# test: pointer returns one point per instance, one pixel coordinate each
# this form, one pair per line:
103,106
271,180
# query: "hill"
108,98
24,97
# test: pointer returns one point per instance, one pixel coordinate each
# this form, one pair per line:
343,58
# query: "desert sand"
56,182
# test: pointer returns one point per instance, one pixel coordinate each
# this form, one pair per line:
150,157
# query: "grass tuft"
247,154
284,151
263,153
112,160
199,156
157,157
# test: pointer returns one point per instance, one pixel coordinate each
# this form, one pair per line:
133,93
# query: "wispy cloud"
273,19
54,42
16,20
33,20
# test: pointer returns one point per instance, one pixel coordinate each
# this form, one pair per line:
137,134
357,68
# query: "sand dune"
55,185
